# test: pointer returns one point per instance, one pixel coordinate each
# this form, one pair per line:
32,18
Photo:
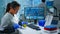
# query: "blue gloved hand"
15,26
24,23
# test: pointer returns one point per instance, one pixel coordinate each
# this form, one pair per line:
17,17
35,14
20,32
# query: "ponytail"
8,7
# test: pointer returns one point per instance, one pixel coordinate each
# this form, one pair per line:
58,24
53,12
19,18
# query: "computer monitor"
34,13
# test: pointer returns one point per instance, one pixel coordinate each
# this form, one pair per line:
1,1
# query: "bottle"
49,3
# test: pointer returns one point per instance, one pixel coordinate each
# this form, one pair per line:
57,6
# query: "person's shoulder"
6,16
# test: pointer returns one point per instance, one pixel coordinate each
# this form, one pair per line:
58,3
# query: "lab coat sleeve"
4,22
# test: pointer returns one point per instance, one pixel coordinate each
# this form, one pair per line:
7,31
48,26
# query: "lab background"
26,3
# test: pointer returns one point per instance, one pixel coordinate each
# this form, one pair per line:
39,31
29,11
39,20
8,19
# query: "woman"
6,22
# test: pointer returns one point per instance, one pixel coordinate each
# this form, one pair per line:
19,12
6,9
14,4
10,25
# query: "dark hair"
43,1
13,4
8,7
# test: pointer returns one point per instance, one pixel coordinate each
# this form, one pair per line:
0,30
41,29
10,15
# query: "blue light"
49,3
34,13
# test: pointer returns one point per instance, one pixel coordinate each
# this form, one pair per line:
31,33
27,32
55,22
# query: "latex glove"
16,26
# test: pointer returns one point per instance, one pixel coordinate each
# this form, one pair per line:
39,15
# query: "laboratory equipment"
34,13
50,29
48,19
54,22
49,3
51,10
55,11
41,23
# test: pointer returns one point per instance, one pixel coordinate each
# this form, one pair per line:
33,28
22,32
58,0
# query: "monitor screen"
34,13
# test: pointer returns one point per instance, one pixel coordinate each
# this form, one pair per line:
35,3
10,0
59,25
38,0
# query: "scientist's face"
16,9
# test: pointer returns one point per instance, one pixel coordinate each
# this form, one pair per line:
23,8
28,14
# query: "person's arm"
4,22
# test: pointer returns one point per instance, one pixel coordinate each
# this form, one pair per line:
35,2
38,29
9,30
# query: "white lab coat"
7,20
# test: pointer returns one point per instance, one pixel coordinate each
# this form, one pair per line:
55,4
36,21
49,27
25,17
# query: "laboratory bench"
28,30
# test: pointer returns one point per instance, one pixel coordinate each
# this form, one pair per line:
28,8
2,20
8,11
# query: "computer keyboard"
33,27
